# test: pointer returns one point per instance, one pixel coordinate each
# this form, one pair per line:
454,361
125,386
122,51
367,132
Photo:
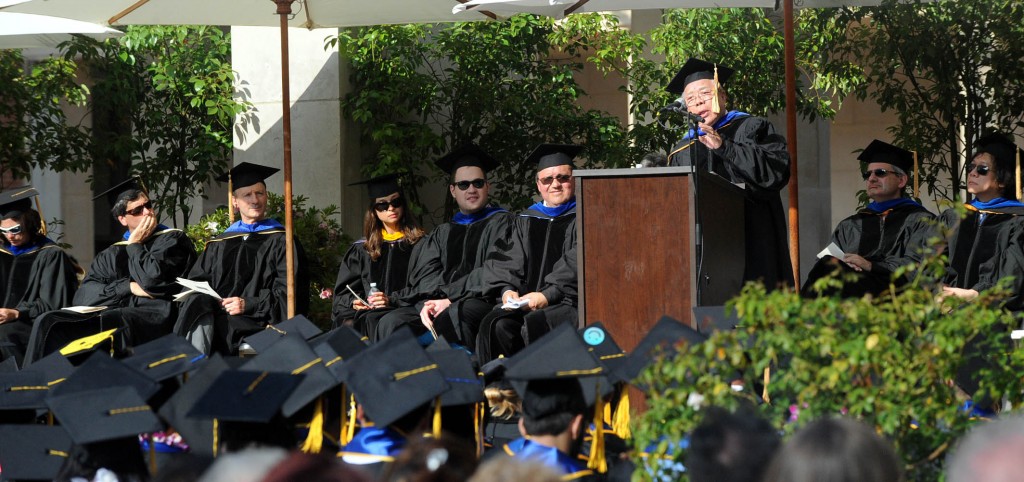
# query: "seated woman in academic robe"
38,276
373,276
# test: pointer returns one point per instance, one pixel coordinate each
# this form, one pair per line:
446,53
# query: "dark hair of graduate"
446,459
372,226
837,450
121,206
31,224
122,456
731,447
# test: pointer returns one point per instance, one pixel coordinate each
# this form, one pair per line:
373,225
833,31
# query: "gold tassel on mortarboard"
478,415
620,421
1018,193
231,201
315,436
436,432
596,460
917,177
715,106
351,432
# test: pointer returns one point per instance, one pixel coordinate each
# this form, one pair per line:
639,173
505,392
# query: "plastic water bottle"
373,289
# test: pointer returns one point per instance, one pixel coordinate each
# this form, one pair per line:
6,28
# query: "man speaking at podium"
742,149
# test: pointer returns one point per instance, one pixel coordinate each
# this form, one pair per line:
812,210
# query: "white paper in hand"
514,304
831,250
84,309
196,286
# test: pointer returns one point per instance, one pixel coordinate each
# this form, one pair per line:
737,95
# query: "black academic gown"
534,248
981,252
391,273
890,239
36,281
154,264
752,153
451,266
252,266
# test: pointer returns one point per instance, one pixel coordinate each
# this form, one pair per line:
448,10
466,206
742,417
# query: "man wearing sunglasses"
893,230
529,271
134,278
742,149
446,274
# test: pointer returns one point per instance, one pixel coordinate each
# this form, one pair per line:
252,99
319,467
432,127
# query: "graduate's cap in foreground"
115,192
298,324
23,390
104,414
599,341
80,349
246,396
551,155
33,452
697,69
99,370
164,357
291,354
559,355
197,431
393,377
665,338
246,174
468,154
338,347
380,186
16,200
879,151
465,387
494,372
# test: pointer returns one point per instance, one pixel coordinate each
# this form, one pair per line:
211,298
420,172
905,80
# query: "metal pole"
794,188
284,9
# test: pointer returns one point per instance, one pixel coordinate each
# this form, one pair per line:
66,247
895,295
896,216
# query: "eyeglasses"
464,185
982,169
698,98
16,229
383,205
562,179
878,173
139,209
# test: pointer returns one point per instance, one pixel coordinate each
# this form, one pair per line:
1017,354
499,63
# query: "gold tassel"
351,432
436,432
343,416
42,219
917,183
315,436
152,455
478,415
1018,173
215,441
767,379
231,203
715,106
596,460
620,422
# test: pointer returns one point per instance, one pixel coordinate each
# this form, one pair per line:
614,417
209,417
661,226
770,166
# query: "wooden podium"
639,231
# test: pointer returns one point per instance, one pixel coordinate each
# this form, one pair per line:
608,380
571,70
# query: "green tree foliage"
316,229
948,70
171,93
34,130
889,361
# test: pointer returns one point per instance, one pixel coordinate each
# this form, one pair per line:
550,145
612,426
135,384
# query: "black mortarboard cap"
879,151
246,174
246,396
551,155
466,155
115,192
494,372
380,186
55,366
9,365
601,344
165,357
339,346
104,414
197,431
33,452
393,377
697,69
663,339
465,387
299,325
291,354
1001,147
99,370
23,390
15,201
559,354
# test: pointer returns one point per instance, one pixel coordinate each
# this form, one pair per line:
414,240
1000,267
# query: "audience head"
990,452
836,450
731,447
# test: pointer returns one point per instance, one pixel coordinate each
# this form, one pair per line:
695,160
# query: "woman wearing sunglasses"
37,275
983,247
381,259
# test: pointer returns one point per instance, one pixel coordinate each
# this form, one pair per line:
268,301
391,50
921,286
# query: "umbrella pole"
794,189
284,9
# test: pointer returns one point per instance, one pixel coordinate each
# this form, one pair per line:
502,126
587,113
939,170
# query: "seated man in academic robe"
247,266
893,230
133,278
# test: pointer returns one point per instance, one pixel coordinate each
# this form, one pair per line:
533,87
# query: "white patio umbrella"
561,8
306,14
25,30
